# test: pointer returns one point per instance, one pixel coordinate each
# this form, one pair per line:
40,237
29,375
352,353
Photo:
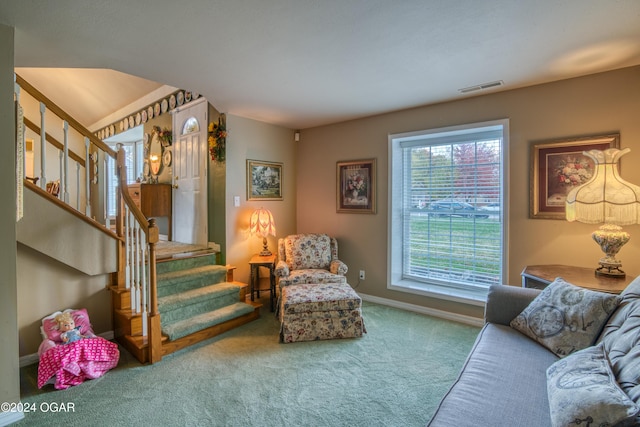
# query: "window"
190,125
447,231
134,161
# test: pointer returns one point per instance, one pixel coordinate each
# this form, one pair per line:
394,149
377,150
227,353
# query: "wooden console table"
154,200
539,276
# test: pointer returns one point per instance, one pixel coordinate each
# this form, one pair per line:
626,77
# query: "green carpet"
393,376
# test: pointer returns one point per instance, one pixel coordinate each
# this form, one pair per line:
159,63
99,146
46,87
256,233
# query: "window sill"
465,296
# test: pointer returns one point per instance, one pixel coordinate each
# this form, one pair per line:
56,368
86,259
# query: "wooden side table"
269,262
539,276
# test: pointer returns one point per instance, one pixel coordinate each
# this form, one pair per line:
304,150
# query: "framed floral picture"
356,186
559,166
264,180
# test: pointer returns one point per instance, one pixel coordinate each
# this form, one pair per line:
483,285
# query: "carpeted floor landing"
394,376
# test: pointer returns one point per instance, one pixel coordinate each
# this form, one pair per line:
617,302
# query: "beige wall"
9,373
46,285
250,139
591,105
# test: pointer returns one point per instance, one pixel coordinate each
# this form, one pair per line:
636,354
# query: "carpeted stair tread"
194,295
185,263
184,305
205,320
184,280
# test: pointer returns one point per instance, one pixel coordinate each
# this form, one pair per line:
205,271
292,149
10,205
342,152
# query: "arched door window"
190,125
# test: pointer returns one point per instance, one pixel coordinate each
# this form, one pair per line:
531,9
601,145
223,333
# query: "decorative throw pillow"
81,318
566,318
583,390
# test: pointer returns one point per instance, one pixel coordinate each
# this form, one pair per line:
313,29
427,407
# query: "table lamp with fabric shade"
609,199
262,224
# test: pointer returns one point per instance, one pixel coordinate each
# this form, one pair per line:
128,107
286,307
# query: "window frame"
138,162
473,295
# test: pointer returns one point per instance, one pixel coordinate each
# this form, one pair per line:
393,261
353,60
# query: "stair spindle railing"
59,180
141,236
138,236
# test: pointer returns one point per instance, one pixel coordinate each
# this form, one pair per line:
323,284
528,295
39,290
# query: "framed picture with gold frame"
559,166
356,186
264,180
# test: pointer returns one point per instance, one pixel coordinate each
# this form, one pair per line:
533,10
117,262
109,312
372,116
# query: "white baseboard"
461,318
7,418
30,359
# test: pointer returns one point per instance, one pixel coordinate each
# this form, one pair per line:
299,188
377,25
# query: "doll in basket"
67,327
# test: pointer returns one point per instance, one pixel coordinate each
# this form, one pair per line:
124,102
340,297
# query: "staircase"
197,300
159,306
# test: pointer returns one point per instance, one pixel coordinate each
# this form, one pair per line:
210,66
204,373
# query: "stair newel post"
120,219
155,332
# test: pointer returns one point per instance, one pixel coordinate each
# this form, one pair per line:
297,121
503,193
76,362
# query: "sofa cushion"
581,388
304,251
621,340
566,318
502,384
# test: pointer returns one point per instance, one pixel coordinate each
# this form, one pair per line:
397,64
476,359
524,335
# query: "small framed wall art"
264,180
559,166
356,186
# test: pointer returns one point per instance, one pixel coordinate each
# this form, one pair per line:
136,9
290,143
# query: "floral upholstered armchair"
309,258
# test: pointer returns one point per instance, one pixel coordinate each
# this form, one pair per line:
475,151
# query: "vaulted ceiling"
305,63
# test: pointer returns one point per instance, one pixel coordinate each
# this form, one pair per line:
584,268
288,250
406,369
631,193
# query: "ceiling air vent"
481,86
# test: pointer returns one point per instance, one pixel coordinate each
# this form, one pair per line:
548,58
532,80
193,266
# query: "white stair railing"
140,238
79,148
138,235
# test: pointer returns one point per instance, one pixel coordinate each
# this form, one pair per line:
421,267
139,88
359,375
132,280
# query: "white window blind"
451,228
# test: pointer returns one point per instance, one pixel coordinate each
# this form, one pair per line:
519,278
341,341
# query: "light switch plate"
236,201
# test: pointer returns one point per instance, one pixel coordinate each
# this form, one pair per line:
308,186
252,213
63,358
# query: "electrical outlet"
361,274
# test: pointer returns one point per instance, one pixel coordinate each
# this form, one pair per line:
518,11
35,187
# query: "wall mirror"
155,154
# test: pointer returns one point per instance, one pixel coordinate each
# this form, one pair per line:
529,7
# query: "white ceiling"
305,63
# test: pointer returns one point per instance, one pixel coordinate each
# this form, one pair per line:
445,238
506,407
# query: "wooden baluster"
78,187
65,164
132,285
136,234
43,148
87,176
145,284
104,189
127,245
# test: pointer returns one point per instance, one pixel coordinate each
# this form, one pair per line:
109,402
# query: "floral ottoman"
310,312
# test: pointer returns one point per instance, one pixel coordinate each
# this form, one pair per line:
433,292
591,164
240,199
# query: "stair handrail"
85,161
152,234
54,108
148,299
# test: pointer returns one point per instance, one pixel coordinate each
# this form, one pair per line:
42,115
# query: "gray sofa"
504,380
